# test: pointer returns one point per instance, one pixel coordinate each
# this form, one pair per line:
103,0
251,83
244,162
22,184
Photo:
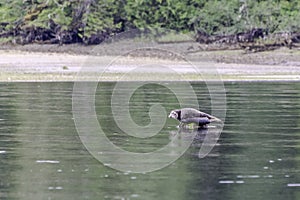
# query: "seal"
191,115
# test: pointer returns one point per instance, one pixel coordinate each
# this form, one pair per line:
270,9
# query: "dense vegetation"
90,21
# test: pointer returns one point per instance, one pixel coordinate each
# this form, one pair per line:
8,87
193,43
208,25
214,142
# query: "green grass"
6,40
173,37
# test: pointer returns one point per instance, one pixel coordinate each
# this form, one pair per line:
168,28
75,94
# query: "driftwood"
249,36
255,40
53,35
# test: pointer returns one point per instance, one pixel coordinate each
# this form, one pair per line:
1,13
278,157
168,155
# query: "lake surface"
257,155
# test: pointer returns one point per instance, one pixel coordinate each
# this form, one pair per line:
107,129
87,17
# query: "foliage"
59,11
289,17
11,11
217,17
100,18
171,14
263,14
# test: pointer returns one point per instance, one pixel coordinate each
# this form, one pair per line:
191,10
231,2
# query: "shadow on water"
256,156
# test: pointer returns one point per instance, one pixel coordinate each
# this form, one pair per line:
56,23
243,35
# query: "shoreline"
44,66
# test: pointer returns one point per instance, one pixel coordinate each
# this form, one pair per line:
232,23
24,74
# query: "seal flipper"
202,121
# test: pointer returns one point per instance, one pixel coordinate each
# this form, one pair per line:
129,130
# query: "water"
257,155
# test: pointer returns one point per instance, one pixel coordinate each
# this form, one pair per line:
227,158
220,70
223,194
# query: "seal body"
191,115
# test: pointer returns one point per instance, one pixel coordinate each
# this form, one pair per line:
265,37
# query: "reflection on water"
257,155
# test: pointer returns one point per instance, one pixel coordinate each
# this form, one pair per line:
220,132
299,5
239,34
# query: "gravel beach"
111,61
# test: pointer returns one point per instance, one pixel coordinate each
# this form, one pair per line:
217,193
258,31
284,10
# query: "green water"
256,157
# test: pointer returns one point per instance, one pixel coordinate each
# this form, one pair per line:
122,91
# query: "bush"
217,17
94,20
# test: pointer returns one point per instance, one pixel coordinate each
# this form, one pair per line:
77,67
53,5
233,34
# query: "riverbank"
63,63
